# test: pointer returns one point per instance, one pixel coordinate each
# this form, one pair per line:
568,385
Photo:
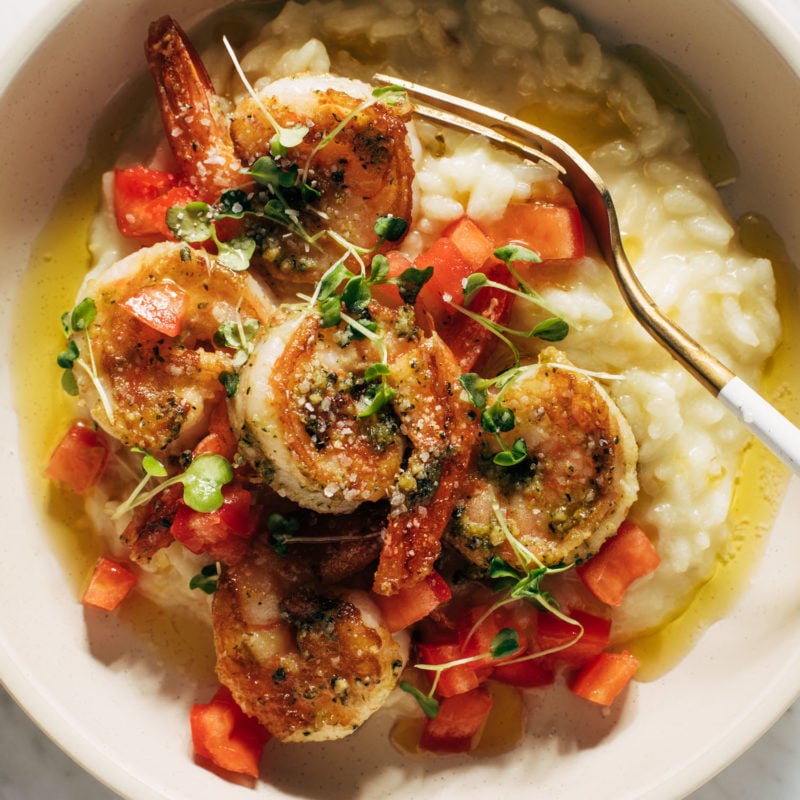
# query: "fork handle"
763,420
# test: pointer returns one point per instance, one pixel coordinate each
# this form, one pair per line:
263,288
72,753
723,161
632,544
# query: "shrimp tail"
196,129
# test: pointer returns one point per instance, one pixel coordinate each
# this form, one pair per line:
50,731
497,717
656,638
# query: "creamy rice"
682,243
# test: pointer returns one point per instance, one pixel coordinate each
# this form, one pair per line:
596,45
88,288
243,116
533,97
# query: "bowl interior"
102,694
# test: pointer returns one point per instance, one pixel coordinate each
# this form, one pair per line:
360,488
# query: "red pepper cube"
477,630
161,306
526,674
414,603
109,585
621,560
605,676
222,534
458,725
226,736
553,230
79,458
454,680
578,648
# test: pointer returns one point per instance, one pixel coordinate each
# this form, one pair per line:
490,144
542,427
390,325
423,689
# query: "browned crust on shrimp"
196,129
314,667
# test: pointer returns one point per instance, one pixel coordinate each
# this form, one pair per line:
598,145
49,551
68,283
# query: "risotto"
668,451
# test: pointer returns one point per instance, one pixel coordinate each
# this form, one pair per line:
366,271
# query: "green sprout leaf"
266,172
379,270
476,388
203,481
230,380
428,704
515,252
498,418
206,580
356,295
410,281
472,284
505,643
376,371
282,530
69,383
378,397
191,223
516,455
66,358
150,464
84,314
389,228
554,329
233,204
236,253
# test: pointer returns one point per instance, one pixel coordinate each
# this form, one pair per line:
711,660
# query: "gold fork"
594,200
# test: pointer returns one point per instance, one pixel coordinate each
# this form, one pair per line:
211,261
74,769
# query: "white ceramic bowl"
124,718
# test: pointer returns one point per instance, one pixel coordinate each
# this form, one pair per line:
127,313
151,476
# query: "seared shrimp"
362,171
155,387
300,412
574,488
352,166
196,128
310,665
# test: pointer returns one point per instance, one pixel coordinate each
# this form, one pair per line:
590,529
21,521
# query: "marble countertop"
33,768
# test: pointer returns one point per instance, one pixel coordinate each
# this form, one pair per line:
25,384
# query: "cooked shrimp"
575,487
310,665
357,173
363,172
300,407
196,128
155,387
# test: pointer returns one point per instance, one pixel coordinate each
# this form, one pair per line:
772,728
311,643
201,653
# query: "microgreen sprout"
523,583
496,418
284,137
504,644
207,579
79,320
195,223
239,335
283,532
202,483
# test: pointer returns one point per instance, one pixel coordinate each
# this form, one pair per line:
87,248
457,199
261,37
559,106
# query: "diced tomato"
142,197
454,680
552,632
450,268
525,674
477,631
471,242
458,725
109,585
79,458
226,736
553,231
471,342
414,603
223,533
605,676
621,560
161,306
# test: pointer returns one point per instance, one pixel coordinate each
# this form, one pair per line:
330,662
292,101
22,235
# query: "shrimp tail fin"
196,129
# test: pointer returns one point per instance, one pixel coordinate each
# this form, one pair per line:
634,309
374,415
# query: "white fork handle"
764,421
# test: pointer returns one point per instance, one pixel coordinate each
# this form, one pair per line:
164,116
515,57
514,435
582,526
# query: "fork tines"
455,112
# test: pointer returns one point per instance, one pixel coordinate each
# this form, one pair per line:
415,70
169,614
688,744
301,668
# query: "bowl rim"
33,698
